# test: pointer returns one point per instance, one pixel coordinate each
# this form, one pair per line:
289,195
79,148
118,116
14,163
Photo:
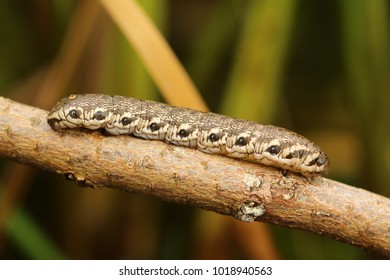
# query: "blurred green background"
320,68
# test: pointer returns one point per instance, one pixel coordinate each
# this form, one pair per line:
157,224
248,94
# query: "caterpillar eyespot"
273,149
99,115
208,132
154,126
183,133
74,114
213,137
125,121
242,141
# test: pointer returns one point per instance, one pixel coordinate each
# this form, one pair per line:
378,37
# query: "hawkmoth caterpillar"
208,132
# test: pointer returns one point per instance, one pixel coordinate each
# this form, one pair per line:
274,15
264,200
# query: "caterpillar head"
80,110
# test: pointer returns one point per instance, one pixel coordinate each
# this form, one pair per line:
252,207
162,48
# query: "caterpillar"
208,132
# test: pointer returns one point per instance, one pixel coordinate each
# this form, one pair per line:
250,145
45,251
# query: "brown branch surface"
244,190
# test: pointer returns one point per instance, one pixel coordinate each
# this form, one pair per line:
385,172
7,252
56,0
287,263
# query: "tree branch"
241,189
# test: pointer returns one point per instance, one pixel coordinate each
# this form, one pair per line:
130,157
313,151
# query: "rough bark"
247,191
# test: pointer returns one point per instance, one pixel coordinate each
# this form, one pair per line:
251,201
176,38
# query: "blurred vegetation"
319,67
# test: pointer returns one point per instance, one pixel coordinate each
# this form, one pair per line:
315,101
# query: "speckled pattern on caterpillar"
208,132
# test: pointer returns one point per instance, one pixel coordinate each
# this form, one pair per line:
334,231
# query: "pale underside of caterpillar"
208,132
